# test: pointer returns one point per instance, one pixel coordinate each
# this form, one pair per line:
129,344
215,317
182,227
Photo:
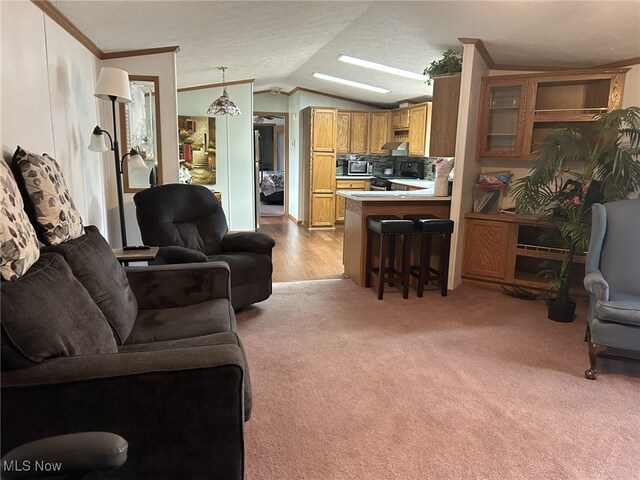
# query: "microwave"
359,167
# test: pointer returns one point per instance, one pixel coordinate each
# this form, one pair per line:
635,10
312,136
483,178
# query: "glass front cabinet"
502,118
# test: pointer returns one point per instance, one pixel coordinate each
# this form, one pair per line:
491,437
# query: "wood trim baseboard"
294,219
57,16
214,85
138,53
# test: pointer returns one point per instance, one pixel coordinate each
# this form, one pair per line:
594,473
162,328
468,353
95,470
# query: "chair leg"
423,266
444,265
591,373
406,255
392,259
369,254
382,269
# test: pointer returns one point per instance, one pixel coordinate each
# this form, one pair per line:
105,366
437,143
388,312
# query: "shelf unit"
518,111
505,249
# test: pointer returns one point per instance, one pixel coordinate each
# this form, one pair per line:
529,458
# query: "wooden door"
343,142
322,210
323,172
417,130
444,117
323,130
359,132
485,248
379,132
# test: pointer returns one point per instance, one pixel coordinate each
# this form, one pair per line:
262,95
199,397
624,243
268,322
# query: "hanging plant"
451,62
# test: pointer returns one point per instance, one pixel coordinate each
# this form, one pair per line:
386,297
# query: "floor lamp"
113,85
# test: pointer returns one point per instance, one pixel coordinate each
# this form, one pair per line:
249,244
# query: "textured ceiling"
282,43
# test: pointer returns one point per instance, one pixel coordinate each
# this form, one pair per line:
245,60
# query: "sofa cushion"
54,215
94,264
157,325
47,313
619,311
19,247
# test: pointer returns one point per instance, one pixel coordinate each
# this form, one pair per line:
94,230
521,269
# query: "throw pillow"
93,263
19,247
56,218
47,313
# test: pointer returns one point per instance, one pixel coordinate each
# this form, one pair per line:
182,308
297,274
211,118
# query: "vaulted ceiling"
282,43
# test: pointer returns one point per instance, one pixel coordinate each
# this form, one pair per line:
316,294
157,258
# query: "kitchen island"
360,204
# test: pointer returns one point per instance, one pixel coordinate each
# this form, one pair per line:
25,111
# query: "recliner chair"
613,279
188,224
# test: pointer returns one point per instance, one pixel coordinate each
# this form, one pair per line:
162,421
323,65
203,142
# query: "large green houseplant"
577,166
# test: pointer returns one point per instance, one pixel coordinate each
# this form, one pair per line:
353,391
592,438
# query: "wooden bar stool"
388,226
427,226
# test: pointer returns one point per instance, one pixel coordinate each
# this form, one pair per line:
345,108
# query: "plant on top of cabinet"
451,62
576,167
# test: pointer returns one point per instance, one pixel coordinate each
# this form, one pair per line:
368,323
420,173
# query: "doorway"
271,160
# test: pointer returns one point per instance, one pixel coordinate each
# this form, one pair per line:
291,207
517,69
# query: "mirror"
140,129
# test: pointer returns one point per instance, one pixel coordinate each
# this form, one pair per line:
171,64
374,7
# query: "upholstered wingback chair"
613,279
189,225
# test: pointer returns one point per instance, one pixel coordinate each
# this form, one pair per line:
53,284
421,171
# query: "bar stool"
427,226
388,226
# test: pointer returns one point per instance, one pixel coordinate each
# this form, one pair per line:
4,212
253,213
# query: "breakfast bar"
360,204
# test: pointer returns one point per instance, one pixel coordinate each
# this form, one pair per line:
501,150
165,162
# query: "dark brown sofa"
149,353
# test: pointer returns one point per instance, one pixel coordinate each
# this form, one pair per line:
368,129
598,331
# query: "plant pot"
561,312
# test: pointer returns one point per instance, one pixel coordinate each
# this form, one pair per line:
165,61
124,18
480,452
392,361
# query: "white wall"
234,150
48,103
466,167
162,65
268,102
631,96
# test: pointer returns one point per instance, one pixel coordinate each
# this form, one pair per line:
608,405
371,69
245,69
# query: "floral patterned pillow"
19,247
55,216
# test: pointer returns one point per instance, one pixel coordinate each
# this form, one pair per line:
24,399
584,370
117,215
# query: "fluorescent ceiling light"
351,83
383,68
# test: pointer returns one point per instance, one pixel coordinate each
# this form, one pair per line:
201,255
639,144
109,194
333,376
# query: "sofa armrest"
596,285
254,242
179,285
182,409
175,254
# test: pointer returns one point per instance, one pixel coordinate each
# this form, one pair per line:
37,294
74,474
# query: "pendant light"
223,104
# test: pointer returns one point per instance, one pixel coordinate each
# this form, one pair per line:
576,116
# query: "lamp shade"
223,105
113,82
98,143
136,163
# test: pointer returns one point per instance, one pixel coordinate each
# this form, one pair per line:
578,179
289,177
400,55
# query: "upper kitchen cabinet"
378,131
502,117
419,130
400,125
323,129
444,116
517,111
352,132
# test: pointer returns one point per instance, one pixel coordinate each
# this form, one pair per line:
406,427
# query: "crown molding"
58,17
137,53
482,50
347,99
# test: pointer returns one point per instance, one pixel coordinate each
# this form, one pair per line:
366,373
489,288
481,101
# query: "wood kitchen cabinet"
378,132
419,130
518,111
352,132
503,249
444,116
347,185
319,166
400,118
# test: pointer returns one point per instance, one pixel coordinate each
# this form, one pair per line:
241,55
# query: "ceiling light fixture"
351,83
223,104
382,68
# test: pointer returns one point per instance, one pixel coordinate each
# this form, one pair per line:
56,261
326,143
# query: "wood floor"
301,254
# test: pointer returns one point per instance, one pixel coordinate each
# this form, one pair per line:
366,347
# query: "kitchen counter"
354,177
413,182
360,204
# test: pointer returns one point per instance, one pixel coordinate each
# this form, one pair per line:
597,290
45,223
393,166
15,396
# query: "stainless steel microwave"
359,167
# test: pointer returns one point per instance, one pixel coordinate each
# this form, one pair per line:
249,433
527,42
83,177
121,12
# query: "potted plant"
451,62
576,167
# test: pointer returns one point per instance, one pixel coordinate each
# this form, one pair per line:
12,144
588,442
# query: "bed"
272,187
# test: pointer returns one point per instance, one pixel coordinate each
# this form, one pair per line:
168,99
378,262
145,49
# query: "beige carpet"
475,385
